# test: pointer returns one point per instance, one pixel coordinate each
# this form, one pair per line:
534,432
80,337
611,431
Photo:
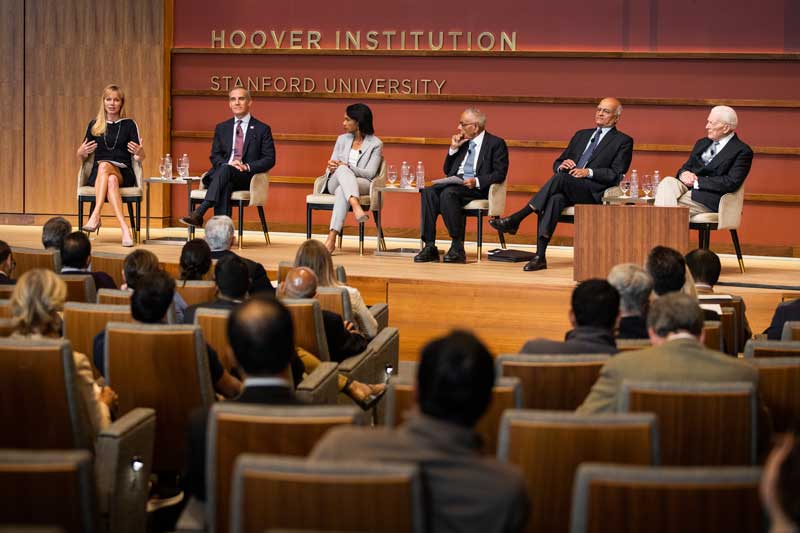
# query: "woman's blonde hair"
38,297
99,127
314,255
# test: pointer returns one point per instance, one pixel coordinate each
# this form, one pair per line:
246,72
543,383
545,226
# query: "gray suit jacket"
369,159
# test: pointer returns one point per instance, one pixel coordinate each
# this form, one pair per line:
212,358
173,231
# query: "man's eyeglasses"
465,124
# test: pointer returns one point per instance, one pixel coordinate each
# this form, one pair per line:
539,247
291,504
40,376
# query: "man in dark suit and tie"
242,147
718,164
594,160
479,159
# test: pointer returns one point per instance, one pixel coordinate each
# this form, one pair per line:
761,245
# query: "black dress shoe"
192,220
535,264
505,224
455,255
427,255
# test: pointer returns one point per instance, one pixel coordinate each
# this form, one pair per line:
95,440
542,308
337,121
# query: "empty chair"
757,349
236,428
666,500
80,288
51,487
196,292
82,321
114,296
276,493
699,423
548,446
777,386
791,331
552,381
30,258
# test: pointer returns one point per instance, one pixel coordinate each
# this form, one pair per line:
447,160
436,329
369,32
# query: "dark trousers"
560,191
221,182
447,201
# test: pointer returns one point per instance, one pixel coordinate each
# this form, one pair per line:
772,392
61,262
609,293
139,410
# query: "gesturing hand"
87,147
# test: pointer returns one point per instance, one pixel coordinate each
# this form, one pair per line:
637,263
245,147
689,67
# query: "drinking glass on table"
391,175
412,180
625,186
162,167
647,185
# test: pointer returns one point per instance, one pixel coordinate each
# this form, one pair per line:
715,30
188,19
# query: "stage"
498,301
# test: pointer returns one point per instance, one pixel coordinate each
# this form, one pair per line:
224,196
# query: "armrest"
386,347
85,170
321,386
121,489
259,189
497,199
319,183
381,313
730,209
374,197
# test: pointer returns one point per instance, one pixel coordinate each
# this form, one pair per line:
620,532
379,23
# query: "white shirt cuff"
696,184
477,183
450,151
590,172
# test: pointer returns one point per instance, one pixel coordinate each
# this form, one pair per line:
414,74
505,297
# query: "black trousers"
447,201
221,182
560,191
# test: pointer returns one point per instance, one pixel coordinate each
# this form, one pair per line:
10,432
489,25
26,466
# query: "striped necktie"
590,149
469,164
708,156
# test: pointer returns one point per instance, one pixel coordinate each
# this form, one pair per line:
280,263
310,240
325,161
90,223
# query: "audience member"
261,338
7,264
219,236
232,280
140,263
634,286
594,314
785,312
54,231
465,491
667,267
195,261
76,258
36,303
315,255
780,485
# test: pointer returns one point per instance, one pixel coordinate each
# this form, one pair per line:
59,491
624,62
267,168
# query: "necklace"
105,140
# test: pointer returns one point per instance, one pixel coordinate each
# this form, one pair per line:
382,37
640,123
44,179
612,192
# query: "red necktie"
239,142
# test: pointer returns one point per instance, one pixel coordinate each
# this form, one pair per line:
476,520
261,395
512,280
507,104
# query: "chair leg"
263,223
480,235
308,221
139,221
381,242
360,238
80,213
241,223
735,238
341,235
132,219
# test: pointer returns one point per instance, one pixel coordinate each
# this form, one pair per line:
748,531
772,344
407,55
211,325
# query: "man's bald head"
300,282
261,336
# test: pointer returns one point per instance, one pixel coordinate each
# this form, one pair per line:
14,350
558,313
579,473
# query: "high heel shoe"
362,218
91,229
127,242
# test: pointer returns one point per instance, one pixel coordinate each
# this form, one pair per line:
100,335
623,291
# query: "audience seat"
736,304
767,348
285,266
53,488
336,300
30,258
110,263
5,291
627,345
196,292
699,423
666,499
289,494
80,288
713,335
791,331
552,381
5,308
214,325
6,327
548,446
83,321
165,368
493,206
114,297
778,379
48,413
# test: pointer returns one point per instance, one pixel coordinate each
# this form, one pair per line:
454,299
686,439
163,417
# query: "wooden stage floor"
498,301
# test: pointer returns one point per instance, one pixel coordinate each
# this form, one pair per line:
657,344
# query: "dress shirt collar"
68,270
266,381
245,121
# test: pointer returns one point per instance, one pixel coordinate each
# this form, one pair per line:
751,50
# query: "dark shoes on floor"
455,254
427,255
192,220
505,225
534,264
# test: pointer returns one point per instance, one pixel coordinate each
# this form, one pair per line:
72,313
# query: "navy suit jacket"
258,150
725,173
492,162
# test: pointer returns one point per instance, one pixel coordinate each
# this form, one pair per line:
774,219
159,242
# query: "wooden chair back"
335,300
164,367
727,329
777,386
40,376
114,297
196,292
276,494
5,308
629,345
111,264
789,296
5,291
736,306
173,269
713,335
660,500
283,268
6,327
80,288
791,331
309,329
82,321
562,441
54,488
214,324
30,258
236,428
756,349
701,423
552,381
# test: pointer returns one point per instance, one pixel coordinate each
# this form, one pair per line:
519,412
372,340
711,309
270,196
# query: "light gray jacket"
369,159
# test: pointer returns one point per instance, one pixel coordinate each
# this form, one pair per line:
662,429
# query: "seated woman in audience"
355,161
314,255
780,485
195,260
114,141
36,302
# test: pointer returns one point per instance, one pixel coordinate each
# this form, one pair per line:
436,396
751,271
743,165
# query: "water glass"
626,188
183,170
647,185
412,180
391,175
162,167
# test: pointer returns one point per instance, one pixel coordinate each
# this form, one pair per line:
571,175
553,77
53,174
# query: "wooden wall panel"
73,48
11,106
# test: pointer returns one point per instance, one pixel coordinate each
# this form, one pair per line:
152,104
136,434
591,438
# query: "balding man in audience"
718,164
220,238
54,231
634,286
594,314
261,339
7,264
675,326
465,491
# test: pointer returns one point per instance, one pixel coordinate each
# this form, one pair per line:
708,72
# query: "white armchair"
493,206
728,217
130,195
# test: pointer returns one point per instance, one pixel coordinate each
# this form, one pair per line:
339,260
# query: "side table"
396,252
189,182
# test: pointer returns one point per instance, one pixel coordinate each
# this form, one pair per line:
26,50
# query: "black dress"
113,147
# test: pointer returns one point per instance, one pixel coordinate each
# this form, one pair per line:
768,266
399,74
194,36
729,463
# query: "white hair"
480,117
727,115
219,233
633,284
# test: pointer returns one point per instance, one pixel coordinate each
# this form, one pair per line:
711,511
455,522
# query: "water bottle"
634,184
420,175
183,166
168,166
656,181
405,170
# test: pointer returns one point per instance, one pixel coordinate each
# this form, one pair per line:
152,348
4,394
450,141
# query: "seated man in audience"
675,325
149,304
261,338
54,231
634,286
7,264
465,491
76,258
780,485
140,263
594,314
219,236
232,280
785,312
705,267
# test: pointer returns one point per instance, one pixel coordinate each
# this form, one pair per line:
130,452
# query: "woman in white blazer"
355,161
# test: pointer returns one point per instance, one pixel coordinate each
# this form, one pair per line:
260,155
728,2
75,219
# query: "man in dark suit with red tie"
242,147
479,159
594,160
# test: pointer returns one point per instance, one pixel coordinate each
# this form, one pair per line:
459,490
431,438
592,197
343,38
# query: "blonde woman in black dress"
114,140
